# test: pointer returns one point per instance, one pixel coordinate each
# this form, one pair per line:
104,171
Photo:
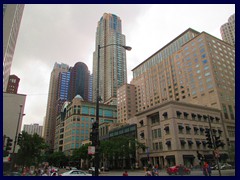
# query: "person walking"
205,169
181,170
125,173
209,170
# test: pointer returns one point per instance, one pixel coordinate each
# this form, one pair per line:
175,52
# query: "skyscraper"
79,80
33,128
12,15
227,30
51,113
113,71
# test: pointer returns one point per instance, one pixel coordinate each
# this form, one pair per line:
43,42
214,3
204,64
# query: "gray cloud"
66,34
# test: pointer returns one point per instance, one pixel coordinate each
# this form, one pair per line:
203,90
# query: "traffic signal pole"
214,145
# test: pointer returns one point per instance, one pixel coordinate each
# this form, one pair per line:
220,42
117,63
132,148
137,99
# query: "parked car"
92,169
73,168
226,166
174,170
55,169
75,173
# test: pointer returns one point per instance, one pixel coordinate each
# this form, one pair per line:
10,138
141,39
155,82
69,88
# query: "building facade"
33,128
79,81
13,83
13,112
12,16
51,112
227,30
126,104
202,72
74,124
113,71
174,131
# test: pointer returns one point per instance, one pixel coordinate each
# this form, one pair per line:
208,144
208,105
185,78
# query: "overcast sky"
66,34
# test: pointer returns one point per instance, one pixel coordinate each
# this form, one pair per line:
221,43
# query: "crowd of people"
42,171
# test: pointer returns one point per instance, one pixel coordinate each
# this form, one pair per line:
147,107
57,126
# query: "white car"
226,166
75,173
92,169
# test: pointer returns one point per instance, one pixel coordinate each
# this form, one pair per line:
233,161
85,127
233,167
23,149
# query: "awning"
166,128
185,114
214,130
168,143
219,131
141,122
188,128
164,114
212,118
195,128
204,143
217,118
198,142
199,115
194,115
190,142
170,157
180,127
178,113
205,116
182,141
201,129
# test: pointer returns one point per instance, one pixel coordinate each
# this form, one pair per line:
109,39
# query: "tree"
57,159
31,148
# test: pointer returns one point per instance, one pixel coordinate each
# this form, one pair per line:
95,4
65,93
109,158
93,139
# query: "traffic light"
94,134
209,139
218,142
9,144
19,139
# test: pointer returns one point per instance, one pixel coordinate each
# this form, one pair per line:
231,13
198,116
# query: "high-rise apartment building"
195,68
227,30
113,71
12,16
79,81
51,112
33,128
13,83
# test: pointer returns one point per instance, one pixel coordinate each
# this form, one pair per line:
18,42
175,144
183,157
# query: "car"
226,166
75,173
67,168
55,169
73,168
175,170
92,169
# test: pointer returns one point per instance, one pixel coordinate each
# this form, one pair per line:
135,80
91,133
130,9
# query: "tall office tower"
228,30
51,112
90,91
33,128
113,71
201,70
12,15
79,80
63,87
13,83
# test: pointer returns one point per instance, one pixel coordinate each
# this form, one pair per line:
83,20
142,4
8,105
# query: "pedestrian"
205,169
209,170
181,170
45,173
125,173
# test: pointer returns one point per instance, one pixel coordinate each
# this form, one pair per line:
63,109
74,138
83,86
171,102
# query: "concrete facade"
227,30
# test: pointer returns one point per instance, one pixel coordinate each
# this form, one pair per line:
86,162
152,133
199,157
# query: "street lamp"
16,135
97,105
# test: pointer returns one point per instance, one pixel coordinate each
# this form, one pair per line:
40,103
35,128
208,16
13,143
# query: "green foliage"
56,158
31,148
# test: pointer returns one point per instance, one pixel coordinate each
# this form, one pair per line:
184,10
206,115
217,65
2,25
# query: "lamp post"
97,105
16,135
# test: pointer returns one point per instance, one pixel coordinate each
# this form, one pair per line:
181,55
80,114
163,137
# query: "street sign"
91,150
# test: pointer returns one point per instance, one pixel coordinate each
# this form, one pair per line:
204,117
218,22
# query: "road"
229,172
